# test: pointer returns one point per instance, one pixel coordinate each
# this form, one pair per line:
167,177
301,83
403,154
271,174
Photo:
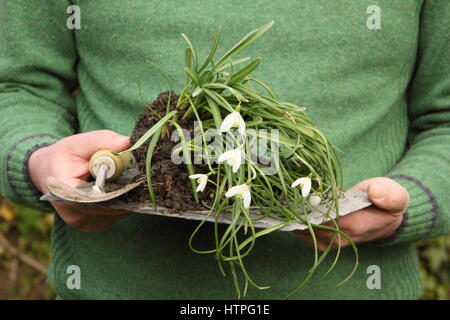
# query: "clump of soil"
171,183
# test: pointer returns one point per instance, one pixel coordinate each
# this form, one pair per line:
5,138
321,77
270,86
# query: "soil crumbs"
171,183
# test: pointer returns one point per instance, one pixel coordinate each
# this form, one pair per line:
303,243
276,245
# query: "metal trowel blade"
60,191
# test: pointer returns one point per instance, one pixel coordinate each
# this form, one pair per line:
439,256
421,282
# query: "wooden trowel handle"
117,163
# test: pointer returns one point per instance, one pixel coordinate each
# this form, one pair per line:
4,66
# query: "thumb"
86,144
388,195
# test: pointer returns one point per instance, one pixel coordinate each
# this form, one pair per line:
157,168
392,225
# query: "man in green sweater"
374,76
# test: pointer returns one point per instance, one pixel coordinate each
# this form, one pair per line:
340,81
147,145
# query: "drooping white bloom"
232,157
202,179
305,184
242,191
314,200
233,120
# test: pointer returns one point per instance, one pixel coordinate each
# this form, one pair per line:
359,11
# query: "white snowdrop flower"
305,184
314,200
202,179
242,191
232,157
233,120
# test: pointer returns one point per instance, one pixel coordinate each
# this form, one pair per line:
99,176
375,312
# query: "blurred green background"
25,252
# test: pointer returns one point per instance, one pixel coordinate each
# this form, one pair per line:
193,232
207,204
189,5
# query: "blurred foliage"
434,256
29,231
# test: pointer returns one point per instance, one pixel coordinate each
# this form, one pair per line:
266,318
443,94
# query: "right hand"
68,160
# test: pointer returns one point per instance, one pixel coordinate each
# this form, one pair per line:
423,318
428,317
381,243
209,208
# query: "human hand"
390,201
68,160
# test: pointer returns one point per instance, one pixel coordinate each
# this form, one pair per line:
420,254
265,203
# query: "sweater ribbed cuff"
420,218
21,188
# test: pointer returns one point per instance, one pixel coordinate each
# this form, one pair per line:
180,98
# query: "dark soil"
171,183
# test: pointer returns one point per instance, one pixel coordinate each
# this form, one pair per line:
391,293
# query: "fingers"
385,194
369,224
361,226
86,144
88,219
74,182
390,201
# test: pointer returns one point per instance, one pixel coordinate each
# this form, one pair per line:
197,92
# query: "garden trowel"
104,166
107,166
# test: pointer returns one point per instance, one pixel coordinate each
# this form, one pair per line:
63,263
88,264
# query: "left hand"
390,201
68,160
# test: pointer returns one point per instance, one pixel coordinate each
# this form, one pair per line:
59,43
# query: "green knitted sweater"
375,79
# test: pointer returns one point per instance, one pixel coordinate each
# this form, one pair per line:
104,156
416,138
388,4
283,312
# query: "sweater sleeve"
37,76
425,168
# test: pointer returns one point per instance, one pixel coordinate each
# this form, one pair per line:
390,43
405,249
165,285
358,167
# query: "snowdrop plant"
314,201
233,158
305,184
202,180
241,191
233,120
221,94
